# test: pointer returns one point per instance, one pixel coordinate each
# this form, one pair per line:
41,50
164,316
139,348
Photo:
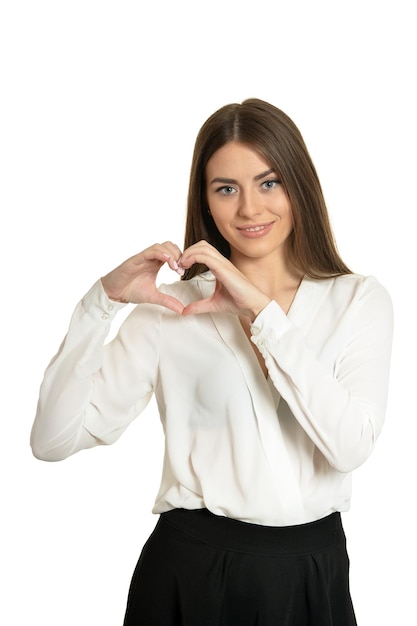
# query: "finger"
173,264
168,302
172,253
156,251
172,249
202,253
198,307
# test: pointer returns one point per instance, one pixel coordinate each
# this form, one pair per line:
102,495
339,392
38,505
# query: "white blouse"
276,451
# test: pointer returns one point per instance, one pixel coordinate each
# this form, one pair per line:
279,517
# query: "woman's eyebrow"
232,181
227,181
259,176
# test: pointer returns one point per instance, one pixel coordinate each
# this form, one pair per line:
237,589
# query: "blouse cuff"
270,324
98,305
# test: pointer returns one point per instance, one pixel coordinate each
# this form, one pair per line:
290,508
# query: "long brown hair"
274,135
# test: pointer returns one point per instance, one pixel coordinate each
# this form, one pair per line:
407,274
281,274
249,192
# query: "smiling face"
248,203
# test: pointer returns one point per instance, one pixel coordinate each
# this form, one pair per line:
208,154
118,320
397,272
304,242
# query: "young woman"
269,361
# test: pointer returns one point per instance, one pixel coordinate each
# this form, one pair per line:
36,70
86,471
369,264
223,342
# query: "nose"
249,204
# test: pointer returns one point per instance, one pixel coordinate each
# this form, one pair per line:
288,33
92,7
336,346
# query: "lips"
254,227
255,230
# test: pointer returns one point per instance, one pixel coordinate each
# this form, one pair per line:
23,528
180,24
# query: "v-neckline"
307,299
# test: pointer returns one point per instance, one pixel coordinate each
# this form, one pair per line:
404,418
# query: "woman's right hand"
135,279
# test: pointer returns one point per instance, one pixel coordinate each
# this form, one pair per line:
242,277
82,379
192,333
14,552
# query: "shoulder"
359,286
359,292
351,301
348,292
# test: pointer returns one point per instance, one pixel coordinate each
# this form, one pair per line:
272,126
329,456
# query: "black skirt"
200,569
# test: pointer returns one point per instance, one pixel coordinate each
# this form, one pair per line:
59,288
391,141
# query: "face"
248,203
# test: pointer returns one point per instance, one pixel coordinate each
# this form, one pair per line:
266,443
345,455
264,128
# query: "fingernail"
181,271
175,264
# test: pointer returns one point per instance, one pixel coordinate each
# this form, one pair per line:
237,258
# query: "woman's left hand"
234,293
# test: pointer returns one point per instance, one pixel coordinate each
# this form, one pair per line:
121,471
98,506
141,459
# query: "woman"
269,361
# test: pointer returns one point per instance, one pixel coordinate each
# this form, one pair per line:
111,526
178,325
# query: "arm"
340,405
92,391
339,402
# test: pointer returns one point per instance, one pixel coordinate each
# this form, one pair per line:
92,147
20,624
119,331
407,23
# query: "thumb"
199,306
168,302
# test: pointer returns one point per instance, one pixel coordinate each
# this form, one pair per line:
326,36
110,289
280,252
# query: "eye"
271,184
227,190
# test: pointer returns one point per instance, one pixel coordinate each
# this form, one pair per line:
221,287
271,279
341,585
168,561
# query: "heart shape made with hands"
135,281
233,293
202,305
232,287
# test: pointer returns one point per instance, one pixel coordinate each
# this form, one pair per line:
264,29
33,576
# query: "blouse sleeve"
339,402
91,391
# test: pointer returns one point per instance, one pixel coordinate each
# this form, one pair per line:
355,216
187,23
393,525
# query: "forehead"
234,158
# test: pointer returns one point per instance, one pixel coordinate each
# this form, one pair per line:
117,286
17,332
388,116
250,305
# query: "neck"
271,276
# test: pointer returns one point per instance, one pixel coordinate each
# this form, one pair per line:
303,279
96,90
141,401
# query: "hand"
234,293
135,279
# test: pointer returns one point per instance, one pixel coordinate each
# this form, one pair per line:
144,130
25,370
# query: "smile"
255,229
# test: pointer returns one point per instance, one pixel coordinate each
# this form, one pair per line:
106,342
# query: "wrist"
258,308
111,296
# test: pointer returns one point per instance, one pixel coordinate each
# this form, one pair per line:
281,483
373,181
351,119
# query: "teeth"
255,229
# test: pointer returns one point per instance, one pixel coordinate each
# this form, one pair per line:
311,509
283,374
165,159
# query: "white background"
100,104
